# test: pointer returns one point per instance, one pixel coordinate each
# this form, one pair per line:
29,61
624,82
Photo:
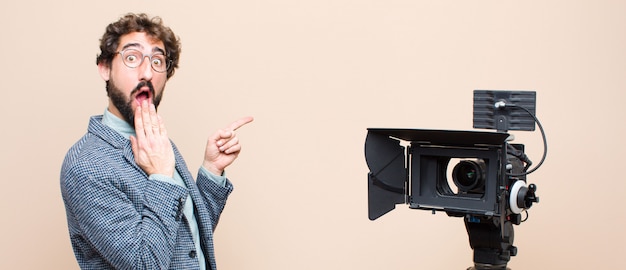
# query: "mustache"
143,84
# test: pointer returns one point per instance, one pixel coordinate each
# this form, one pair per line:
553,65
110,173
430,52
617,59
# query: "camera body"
418,168
477,175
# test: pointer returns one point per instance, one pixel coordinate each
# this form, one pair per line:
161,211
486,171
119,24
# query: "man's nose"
145,69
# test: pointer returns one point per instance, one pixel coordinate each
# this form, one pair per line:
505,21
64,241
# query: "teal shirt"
126,130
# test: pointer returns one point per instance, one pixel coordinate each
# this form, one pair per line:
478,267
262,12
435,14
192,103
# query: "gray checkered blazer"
118,219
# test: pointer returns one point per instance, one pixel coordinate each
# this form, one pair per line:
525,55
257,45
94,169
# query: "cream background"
315,75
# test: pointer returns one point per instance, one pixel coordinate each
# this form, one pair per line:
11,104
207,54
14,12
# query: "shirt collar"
122,127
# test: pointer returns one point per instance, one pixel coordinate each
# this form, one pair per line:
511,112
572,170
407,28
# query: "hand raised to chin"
151,146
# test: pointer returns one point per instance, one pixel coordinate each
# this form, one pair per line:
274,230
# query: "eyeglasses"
133,58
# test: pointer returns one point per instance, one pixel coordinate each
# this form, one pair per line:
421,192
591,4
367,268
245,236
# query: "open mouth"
143,91
142,95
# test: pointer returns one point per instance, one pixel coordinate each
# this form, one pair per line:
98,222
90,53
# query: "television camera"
478,176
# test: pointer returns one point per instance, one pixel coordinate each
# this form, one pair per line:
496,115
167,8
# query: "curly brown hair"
139,23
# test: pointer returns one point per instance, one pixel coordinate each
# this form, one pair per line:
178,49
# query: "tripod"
492,242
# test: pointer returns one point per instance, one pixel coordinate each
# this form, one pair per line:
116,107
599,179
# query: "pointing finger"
239,123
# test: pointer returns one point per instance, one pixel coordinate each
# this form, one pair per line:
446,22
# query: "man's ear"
105,71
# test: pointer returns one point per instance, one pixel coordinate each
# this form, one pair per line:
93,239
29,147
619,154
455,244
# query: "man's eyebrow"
157,49
132,45
139,46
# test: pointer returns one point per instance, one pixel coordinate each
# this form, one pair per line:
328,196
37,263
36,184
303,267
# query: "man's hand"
152,148
223,147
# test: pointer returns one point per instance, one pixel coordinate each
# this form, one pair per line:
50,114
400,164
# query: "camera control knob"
522,196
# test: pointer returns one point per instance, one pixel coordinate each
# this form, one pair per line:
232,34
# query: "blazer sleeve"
130,225
214,195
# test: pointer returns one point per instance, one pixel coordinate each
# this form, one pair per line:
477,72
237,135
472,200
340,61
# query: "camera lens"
469,175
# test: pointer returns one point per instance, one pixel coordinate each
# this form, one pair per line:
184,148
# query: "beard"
124,103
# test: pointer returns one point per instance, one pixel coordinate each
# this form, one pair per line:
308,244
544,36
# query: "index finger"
139,123
239,123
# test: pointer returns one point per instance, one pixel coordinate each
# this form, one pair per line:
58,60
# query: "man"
131,202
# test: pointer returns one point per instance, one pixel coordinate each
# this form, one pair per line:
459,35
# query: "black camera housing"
423,168
417,174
